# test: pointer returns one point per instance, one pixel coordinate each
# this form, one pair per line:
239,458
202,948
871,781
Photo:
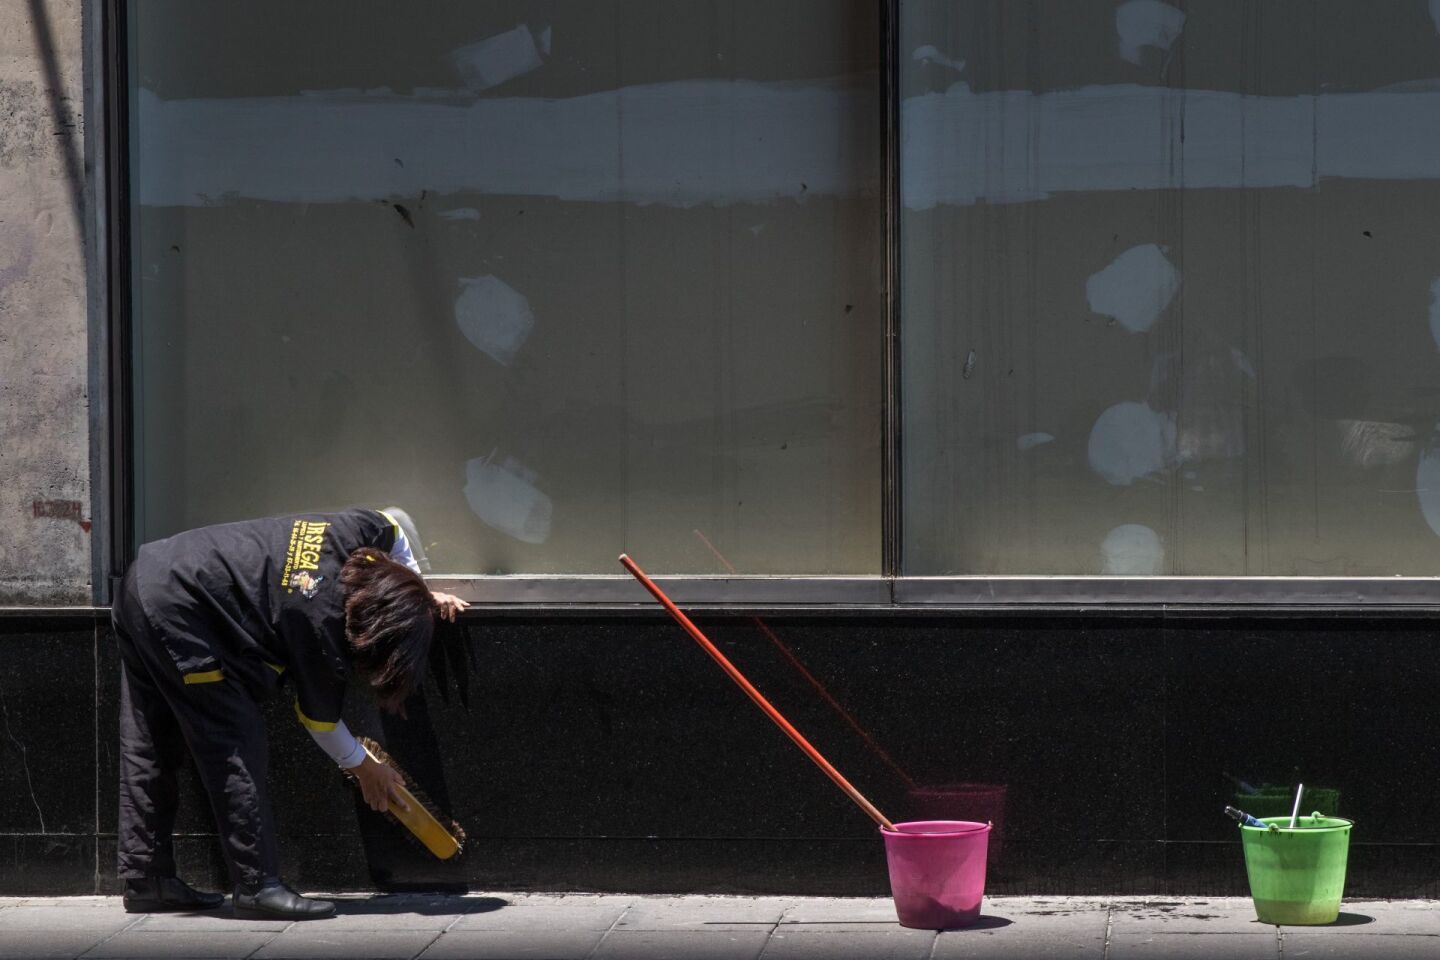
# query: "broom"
435,831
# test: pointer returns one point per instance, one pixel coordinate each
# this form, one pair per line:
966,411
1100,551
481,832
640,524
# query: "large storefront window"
1170,287
558,279
563,279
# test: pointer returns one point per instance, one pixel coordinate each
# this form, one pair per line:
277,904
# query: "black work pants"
220,723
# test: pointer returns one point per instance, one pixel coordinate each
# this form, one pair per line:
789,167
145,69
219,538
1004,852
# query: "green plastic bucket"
1297,876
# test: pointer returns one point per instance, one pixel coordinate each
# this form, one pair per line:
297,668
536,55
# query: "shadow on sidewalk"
1347,920
986,922
413,903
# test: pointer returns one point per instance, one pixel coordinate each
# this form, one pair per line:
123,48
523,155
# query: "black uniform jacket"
260,599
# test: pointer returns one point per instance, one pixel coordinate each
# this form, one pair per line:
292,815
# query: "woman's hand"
448,605
378,784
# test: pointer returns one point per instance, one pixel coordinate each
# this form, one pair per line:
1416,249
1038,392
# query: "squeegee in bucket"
754,694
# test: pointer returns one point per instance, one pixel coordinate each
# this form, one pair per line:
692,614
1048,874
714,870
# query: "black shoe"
275,901
166,895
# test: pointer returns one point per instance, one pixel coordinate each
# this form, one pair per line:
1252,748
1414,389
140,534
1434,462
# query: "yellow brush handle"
418,821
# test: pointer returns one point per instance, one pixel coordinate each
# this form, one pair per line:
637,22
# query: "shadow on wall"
66,125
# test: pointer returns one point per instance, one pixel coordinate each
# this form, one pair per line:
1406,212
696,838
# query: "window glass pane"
1170,287
560,279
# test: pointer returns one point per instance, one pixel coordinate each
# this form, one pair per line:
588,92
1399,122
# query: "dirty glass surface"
1170,287
559,279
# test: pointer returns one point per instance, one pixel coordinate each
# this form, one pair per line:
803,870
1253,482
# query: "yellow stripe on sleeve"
320,726
208,676
393,523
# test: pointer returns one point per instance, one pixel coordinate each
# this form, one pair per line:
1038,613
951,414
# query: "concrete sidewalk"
502,926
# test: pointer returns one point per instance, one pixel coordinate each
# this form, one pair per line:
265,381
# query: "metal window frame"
115,492
943,594
889,591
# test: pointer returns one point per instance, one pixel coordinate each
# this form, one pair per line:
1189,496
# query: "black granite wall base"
608,753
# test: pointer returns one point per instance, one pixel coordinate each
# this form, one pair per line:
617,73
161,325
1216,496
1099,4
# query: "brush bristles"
450,826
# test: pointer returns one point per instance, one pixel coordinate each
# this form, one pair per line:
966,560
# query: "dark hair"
389,623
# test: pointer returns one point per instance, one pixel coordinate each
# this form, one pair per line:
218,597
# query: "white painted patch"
1435,306
1374,443
1427,485
1030,441
677,138
493,316
929,54
496,59
504,496
1146,23
1013,146
1135,288
460,213
969,367
1130,441
1132,550
678,142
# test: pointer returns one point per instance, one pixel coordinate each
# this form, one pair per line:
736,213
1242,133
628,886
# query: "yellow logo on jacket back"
307,538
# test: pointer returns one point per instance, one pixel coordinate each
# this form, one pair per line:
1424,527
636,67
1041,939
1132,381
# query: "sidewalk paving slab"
1173,916
681,945
539,912
141,945
1023,927
1196,946
1365,947
840,944
211,921
300,943
34,944
1371,917
1056,944
552,944
538,926
703,913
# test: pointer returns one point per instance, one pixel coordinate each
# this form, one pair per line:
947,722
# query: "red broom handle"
754,694
815,683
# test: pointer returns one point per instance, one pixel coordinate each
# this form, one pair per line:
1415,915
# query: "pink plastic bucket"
983,802
937,871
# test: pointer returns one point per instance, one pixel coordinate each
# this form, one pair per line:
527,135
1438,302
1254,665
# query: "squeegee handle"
754,694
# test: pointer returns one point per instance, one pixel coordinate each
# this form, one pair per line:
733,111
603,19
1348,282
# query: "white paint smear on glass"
1374,443
493,316
504,496
496,59
1130,441
1013,146
1146,23
1427,486
930,54
1435,306
678,139
1031,440
1134,550
1135,288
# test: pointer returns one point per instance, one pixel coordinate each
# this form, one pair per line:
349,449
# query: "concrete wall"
45,529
